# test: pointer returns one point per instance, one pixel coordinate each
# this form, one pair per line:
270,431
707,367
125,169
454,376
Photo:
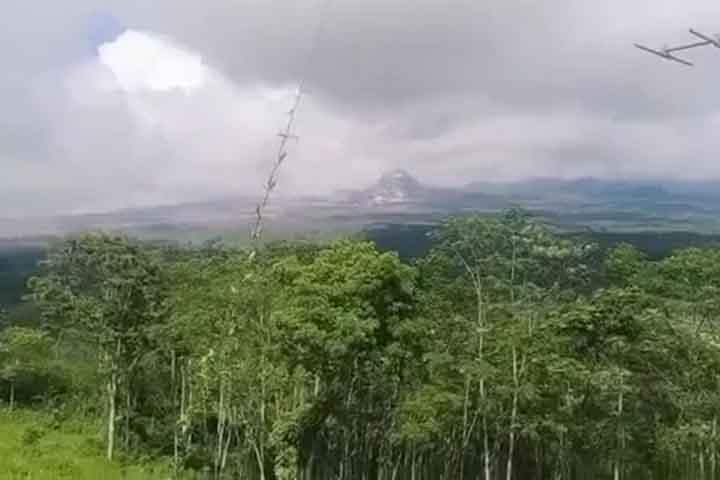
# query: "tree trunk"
309,465
185,405
413,472
173,388
261,430
226,449
560,460
112,412
483,395
396,469
260,460
466,433
128,408
220,430
12,395
621,440
713,454
512,270
513,417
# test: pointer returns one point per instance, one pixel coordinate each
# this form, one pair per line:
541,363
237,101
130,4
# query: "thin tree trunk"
220,430
185,405
111,396
261,430
412,465
486,449
513,417
558,469
173,388
621,435
12,395
112,389
128,408
309,464
483,396
260,460
395,470
561,460
226,448
263,397
713,453
512,270
466,427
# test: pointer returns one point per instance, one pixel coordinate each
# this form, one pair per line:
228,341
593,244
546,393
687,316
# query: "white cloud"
147,122
141,61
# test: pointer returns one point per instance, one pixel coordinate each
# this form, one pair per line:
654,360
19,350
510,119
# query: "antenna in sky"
286,135
668,52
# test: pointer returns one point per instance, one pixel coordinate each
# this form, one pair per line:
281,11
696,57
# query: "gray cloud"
453,90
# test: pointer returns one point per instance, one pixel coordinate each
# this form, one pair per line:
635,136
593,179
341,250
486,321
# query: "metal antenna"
667,52
286,134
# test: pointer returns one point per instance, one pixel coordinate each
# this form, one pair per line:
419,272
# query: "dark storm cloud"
454,90
375,54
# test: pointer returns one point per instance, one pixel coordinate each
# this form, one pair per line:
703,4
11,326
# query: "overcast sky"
116,103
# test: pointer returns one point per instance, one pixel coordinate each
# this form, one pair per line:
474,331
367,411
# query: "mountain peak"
393,187
399,179
397,174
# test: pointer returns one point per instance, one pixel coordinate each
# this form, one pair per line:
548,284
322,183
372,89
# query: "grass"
32,447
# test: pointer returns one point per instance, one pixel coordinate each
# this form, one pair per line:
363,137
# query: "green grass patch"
34,447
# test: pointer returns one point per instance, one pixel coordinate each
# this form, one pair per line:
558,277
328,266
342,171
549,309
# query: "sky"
120,103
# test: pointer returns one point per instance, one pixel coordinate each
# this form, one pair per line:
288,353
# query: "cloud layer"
112,104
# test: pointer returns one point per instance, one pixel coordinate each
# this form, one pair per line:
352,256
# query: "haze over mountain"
398,196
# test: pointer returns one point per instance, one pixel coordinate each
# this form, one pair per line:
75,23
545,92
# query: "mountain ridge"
398,194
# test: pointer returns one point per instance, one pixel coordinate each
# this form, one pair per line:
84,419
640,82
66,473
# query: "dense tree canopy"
507,352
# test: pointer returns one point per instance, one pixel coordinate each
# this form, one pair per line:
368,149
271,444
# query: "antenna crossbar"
667,52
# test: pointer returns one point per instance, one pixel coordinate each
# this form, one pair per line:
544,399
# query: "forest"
505,351
17,263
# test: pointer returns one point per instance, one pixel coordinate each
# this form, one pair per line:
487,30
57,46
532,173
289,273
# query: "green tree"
24,352
486,284
345,322
109,290
222,344
623,263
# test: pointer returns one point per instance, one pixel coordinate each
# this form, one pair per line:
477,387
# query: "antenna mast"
286,134
668,53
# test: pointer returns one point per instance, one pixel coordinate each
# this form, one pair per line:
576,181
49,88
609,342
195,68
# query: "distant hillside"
398,197
602,189
413,241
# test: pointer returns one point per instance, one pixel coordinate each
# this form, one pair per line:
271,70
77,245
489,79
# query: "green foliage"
110,291
507,351
105,286
24,358
348,301
623,263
